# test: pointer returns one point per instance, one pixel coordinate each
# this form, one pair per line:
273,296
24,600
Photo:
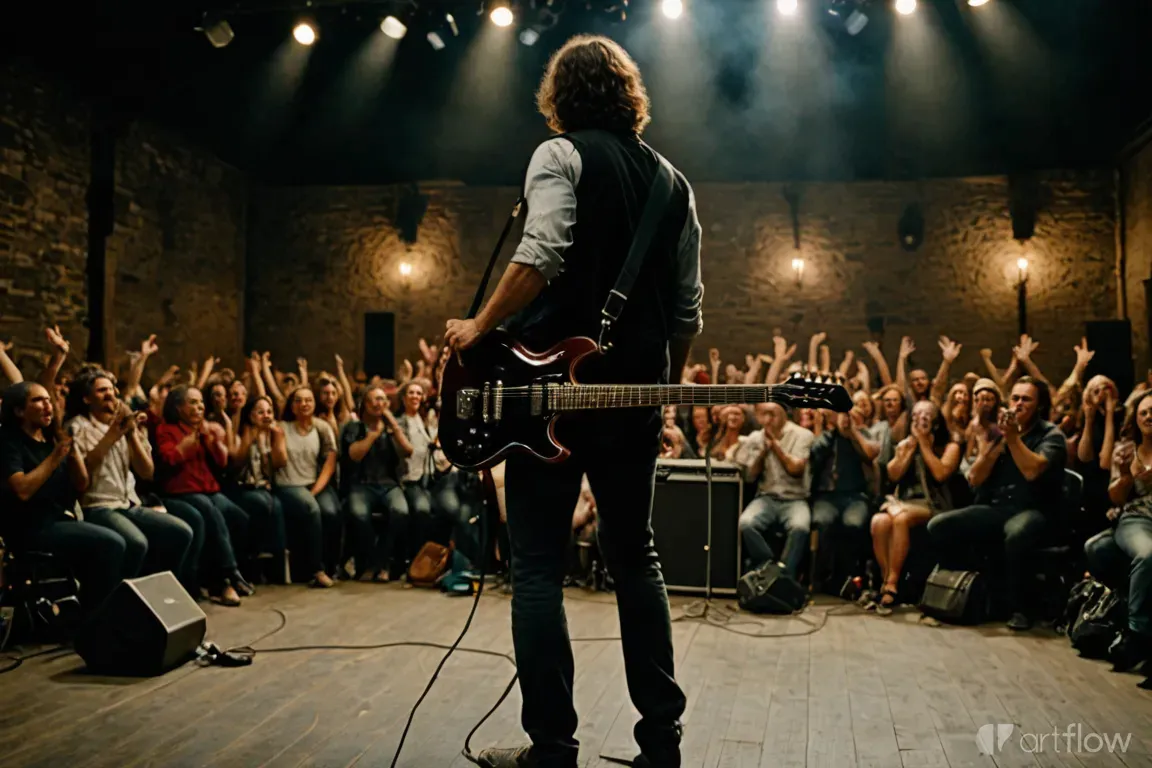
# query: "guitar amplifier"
680,524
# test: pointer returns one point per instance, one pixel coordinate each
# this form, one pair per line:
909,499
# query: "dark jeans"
154,541
372,554
224,526
1128,547
766,513
313,524
94,554
842,520
454,502
620,463
265,519
962,535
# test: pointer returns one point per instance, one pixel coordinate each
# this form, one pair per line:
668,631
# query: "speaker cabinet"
680,525
1111,340
145,627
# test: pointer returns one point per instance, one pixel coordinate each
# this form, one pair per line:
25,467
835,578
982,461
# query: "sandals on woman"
885,605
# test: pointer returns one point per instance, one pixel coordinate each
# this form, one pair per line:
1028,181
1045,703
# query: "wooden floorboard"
861,691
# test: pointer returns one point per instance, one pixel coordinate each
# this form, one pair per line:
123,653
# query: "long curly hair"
592,82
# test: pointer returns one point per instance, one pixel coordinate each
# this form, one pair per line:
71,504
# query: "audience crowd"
230,479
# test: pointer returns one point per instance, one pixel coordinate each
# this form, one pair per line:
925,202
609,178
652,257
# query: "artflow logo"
990,739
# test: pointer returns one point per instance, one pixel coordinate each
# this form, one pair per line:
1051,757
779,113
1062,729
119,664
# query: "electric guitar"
499,397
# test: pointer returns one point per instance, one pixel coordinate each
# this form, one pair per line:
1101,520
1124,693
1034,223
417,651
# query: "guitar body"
474,437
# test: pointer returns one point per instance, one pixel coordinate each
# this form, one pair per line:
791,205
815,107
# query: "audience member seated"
258,451
924,470
370,448
1131,493
417,467
1102,422
113,444
43,476
304,487
986,413
776,455
191,451
842,487
1017,478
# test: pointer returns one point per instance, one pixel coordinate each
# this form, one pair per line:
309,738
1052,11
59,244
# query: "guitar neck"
594,396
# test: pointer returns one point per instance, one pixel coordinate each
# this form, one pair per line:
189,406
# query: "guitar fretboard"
630,396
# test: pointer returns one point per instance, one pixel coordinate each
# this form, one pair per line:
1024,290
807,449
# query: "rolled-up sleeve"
690,289
550,191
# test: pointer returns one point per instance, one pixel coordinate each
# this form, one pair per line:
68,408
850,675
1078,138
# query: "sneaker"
1019,622
517,757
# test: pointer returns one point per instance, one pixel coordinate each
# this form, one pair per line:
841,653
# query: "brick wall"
176,254
330,254
43,218
175,263
1138,244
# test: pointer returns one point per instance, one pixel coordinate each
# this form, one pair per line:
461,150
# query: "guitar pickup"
466,403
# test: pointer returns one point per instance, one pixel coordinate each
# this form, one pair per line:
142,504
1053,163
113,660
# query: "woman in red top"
190,449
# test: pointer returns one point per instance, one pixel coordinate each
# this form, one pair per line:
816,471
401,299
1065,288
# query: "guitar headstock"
813,390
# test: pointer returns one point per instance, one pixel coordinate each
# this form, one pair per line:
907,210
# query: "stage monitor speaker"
680,525
145,627
769,589
1111,340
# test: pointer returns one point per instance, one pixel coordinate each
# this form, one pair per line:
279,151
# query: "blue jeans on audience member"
842,520
94,554
154,541
962,536
1128,545
421,525
189,574
265,519
763,514
458,507
372,555
222,523
313,524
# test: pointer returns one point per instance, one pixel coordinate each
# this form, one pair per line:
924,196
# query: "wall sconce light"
405,269
1022,294
1022,269
798,269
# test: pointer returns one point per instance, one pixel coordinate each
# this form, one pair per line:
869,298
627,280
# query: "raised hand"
406,370
714,356
340,362
780,348
871,347
907,347
149,347
949,349
818,338
1122,457
57,340
1083,354
5,346
429,353
1024,350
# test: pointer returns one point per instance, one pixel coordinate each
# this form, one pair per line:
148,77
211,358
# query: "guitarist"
585,190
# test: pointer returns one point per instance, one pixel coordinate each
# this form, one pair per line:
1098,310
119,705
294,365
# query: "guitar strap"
479,298
658,196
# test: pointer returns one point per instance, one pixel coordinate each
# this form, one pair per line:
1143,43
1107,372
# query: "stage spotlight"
529,36
788,7
905,7
436,41
218,31
393,27
672,8
501,15
975,3
304,33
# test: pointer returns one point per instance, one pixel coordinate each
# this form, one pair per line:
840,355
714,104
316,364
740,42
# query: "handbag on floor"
430,563
1101,618
956,597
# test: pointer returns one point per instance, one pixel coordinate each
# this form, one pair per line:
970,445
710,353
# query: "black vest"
615,179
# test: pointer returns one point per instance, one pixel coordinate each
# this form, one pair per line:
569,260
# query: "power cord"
16,661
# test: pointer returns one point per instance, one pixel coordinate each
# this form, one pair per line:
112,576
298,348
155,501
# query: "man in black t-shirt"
1017,478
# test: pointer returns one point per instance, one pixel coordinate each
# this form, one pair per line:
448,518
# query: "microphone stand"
700,608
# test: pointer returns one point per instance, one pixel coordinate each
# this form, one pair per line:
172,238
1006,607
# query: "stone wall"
176,255
44,160
1138,245
175,259
327,255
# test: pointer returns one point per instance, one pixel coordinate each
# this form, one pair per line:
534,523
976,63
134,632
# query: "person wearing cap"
1017,477
986,402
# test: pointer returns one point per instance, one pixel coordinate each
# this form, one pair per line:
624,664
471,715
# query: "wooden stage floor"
863,691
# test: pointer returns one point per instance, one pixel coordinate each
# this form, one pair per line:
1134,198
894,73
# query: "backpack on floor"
1100,620
430,563
460,579
1080,593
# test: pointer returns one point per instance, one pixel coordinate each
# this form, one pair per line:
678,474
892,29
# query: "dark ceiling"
1049,83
